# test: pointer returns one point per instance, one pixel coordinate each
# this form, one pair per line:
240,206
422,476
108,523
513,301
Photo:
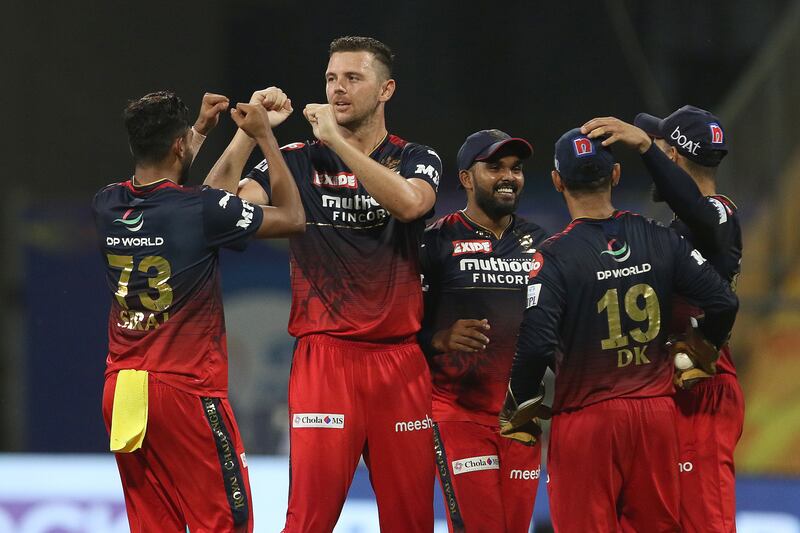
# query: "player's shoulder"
446,225
523,225
409,149
563,238
109,188
725,207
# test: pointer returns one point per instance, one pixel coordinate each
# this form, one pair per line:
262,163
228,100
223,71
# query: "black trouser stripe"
447,483
232,477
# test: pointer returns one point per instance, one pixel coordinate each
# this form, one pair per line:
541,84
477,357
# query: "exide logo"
342,180
472,247
583,147
717,137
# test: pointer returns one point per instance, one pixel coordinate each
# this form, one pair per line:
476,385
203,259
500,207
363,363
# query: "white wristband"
197,140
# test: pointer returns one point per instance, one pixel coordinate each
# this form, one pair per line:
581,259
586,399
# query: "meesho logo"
475,464
131,222
318,420
618,252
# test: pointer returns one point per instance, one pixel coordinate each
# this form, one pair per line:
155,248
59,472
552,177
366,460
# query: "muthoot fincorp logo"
318,420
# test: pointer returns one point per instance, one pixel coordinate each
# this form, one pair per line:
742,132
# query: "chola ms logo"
131,223
717,137
583,147
618,253
318,420
474,464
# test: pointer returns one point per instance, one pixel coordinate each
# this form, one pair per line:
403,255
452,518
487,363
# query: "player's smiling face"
497,185
355,84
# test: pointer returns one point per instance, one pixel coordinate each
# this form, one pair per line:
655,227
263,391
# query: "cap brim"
650,124
519,147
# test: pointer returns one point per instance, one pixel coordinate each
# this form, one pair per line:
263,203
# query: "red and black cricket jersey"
160,247
469,273
355,271
710,223
599,304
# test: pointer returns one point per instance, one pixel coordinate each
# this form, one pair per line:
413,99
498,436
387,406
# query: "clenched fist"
275,101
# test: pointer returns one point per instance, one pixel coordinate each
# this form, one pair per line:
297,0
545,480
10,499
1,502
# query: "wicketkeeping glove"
694,357
521,421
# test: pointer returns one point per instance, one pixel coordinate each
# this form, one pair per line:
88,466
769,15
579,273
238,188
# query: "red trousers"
348,399
191,469
710,420
489,482
611,467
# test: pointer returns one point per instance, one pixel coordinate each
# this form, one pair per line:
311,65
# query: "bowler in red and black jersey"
359,383
475,265
682,153
598,309
180,456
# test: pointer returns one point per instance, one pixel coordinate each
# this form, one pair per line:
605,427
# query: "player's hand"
465,335
617,130
695,358
276,102
252,119
323,122
520,421
210,108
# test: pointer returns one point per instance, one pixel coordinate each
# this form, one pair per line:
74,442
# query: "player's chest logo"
472,246
493,271
335,180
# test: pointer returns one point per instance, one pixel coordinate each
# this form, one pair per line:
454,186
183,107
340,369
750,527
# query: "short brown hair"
354,43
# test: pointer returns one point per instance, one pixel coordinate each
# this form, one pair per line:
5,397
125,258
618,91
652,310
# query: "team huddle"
442,377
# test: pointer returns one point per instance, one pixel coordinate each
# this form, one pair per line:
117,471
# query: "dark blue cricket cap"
580,159
482,145
695,133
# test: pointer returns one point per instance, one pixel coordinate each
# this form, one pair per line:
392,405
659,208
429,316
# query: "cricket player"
598,306
178,449
475,264
682,158
359,383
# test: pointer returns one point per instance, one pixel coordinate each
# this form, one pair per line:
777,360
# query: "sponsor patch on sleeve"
533,295
721,209
537,261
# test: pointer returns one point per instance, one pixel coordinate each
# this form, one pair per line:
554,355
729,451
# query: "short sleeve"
227,219
422,163
295,155
260,174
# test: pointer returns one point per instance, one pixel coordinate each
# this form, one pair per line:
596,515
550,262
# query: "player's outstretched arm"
405,199
286,215
227,171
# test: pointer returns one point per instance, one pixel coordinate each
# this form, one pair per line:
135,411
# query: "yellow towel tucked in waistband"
129,418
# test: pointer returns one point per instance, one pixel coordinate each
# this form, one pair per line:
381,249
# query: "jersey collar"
474,226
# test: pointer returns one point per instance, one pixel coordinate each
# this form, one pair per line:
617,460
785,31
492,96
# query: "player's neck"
589,206
481,218
707,186
368,135
147,174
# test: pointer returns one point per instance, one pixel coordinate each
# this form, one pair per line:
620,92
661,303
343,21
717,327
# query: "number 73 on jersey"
155,300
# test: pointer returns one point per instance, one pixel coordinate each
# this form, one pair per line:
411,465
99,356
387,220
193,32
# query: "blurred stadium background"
534,69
